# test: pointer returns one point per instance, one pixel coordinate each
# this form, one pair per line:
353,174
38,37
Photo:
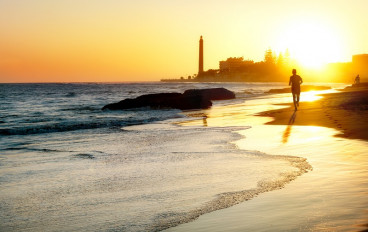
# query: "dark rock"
162,100
211,94
191,99
357,86
84,156
190,102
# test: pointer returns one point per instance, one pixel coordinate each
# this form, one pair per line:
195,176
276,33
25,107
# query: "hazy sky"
146,40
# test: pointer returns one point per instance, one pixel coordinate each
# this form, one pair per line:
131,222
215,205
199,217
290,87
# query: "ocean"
66,165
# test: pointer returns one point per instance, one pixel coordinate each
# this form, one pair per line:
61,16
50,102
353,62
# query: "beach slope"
344,111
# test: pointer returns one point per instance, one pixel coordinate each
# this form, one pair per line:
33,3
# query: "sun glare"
311,96
311,43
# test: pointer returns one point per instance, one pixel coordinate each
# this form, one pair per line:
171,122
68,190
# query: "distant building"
347,71
200,62
234,64
360,65
361,59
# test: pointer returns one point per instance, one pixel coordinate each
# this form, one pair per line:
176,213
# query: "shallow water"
331,197
67,165
132,181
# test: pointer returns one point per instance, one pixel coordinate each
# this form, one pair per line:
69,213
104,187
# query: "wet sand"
344,111
331,134
331,197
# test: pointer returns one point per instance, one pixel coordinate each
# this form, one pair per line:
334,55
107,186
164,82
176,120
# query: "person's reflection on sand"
202,115
204,118
286,134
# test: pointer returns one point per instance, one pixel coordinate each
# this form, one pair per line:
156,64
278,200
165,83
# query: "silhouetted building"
347,71
360,60
200,66
234,64
360,64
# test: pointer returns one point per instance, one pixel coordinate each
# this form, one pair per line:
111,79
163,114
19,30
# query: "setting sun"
311,43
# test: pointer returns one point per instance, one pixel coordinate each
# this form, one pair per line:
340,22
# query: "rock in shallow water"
211,94
191,99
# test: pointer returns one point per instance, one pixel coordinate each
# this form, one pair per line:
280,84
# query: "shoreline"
329,197
169,170
343,111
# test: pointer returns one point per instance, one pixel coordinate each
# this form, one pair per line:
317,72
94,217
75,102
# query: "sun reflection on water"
314,95
311,96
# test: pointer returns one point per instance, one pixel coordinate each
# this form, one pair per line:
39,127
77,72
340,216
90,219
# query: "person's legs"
295,100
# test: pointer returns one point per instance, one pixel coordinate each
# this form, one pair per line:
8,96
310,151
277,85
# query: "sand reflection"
311,96
199,119
286,134
240,115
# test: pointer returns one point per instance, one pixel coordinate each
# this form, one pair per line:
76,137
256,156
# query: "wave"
30,149
73,126
81,109
71,94
224,200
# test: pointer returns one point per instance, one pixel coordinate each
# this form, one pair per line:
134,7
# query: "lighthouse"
200,66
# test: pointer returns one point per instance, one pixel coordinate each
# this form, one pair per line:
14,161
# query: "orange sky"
142,40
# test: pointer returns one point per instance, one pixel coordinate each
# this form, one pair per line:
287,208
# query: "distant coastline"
210,80
232,78
275,68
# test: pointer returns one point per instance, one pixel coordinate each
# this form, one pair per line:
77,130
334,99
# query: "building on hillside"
234,65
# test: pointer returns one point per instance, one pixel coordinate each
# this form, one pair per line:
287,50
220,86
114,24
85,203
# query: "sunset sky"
146,40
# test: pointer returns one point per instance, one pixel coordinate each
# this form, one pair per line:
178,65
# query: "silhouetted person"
357,80
295,81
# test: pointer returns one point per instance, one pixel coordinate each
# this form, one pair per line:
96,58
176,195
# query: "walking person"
295,82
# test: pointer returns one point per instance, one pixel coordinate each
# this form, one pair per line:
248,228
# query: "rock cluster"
190,99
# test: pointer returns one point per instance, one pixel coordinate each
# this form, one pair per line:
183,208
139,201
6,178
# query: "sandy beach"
225,168
331,133
343,111
73,168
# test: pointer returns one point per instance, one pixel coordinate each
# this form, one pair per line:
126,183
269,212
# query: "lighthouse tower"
200,66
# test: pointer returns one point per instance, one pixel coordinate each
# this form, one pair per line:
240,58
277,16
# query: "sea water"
66,165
